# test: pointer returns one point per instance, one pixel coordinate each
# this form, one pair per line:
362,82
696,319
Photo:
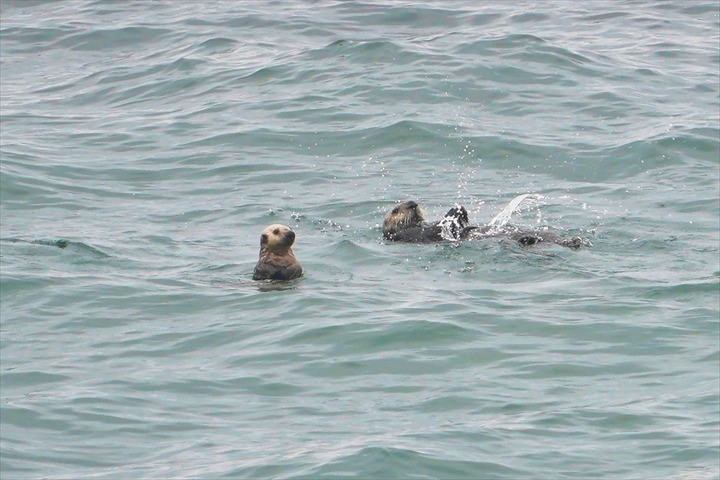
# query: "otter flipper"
528,240
572,242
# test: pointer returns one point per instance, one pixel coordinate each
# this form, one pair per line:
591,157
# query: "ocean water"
145,145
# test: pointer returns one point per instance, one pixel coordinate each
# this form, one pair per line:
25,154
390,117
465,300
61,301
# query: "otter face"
403,215
277,239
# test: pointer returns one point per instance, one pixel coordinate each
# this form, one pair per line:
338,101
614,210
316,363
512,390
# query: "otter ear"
263,239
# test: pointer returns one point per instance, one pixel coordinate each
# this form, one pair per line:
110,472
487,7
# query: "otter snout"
289,237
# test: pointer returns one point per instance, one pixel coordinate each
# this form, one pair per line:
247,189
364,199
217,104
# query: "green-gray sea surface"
145,145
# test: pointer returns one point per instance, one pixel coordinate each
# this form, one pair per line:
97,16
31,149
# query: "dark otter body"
277,261
270,268
405,223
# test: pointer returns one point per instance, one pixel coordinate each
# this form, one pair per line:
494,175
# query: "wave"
113,38
396,462
76,246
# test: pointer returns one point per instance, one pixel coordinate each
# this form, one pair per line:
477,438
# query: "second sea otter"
406,223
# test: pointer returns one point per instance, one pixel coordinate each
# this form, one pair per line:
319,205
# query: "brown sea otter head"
276,239
404,215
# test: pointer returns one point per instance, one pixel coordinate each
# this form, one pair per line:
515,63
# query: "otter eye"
276,231
396,210
263,238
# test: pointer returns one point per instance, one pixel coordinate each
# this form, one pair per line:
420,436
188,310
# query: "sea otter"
405,223
277,261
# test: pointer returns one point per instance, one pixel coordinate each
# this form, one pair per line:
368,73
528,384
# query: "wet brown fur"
403,216
277,260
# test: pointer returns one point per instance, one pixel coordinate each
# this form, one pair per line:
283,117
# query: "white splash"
450,226
503,217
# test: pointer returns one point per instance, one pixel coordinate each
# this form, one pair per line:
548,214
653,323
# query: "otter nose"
411,204
290,235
